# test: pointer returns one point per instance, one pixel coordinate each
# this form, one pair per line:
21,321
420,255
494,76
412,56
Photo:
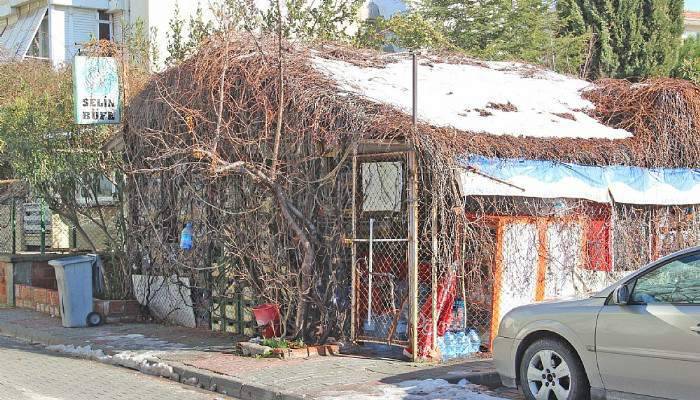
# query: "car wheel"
550,370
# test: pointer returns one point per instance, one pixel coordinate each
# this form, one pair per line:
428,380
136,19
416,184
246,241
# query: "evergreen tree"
632,38
688,65
526,30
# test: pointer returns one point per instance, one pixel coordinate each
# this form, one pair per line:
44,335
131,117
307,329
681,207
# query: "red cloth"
446,292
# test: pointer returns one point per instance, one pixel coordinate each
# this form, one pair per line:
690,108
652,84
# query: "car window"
676,282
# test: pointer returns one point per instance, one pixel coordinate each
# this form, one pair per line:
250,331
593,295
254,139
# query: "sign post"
96,97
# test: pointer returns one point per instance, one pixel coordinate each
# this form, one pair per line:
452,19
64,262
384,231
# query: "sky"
693,5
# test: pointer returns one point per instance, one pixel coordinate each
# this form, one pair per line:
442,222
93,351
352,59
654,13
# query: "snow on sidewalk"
428,389
146,362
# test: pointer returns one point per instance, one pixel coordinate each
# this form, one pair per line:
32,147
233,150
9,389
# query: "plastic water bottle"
186,237
475,340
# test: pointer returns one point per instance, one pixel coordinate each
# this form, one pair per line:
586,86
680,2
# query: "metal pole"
434,269
371,271
415,91
353,300
413,250
14,226
412,198
42,225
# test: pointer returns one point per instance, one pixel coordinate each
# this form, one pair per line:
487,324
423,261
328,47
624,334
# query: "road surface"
29,372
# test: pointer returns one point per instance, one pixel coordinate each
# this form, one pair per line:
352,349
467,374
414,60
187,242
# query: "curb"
217,383
182,374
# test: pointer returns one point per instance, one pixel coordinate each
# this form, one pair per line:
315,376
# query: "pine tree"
633,38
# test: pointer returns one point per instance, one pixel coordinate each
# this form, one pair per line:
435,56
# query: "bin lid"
61,262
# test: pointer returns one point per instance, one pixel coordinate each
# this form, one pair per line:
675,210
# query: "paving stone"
207,356
28,372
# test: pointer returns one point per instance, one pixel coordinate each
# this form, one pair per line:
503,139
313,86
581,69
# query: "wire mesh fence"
25,225
481,256
381,289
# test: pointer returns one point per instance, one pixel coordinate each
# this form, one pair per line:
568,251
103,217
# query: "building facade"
692,23
55,30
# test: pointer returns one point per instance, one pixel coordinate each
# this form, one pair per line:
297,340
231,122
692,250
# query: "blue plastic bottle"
186,237
475,340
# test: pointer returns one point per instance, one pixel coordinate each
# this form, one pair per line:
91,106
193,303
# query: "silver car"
637,339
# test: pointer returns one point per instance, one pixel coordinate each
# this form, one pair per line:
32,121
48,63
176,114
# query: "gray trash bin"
74,278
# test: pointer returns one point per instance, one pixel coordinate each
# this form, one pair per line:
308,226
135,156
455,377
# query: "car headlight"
507,327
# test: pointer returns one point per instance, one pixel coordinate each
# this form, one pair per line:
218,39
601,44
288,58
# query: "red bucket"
268,317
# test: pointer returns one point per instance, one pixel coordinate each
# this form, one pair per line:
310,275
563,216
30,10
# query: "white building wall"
72,22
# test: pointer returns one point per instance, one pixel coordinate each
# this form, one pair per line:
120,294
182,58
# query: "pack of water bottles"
458,344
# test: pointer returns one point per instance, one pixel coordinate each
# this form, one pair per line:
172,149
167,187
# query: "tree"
410,31
527,30
633,39
62,163
323,20
688,64
177,45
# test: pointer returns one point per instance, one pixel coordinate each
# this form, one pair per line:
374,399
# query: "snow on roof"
498,98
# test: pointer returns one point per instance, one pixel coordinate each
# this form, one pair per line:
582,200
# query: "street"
29,372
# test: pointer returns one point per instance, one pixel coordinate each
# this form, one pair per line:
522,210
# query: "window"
39,48
382,183
104,25
676,282
97,186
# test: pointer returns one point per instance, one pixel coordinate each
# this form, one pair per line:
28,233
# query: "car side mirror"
621,295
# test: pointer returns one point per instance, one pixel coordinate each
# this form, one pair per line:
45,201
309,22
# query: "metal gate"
381,245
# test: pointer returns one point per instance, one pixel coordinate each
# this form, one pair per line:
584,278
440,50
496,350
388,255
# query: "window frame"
84,201
108,22
42,41
633,283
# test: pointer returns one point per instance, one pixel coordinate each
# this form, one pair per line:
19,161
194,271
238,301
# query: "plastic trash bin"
74,278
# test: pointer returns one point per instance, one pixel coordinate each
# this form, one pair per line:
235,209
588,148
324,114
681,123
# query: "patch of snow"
146,362
428,389
139,341
80,351
463,96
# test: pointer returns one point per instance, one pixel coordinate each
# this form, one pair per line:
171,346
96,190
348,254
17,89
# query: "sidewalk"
205,359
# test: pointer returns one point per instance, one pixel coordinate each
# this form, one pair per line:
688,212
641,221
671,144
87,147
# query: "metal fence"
380,243
25,225
438,276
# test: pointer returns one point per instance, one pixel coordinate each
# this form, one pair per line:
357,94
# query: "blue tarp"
552,179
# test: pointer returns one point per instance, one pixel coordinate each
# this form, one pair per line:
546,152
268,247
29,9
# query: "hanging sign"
96,90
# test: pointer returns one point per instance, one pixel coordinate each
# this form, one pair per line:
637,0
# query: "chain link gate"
382,281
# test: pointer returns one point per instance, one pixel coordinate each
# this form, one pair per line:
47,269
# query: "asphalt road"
29,372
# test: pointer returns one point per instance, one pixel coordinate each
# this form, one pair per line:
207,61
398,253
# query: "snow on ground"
479,97
145,361
428,389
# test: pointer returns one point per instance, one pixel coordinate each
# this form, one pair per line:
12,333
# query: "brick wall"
38,299
115,311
